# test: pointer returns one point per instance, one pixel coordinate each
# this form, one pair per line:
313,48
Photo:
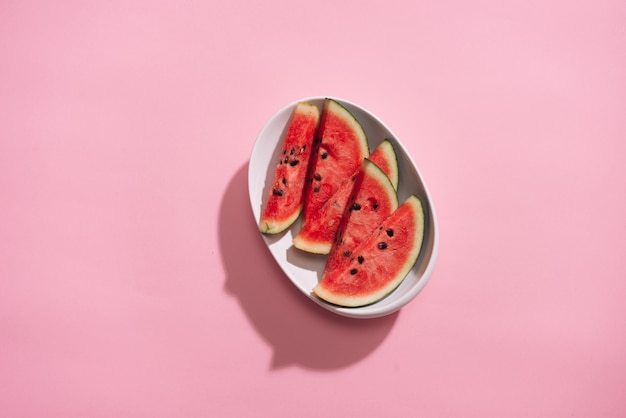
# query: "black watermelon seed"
303,148
346,253
375,205
317,177
324,155
284,152
353,271
356,206
286,160
382,245
284,180
293,151
277,192
294,162
316,190
390,232
360,259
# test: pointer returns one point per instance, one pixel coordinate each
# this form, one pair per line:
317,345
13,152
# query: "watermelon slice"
384,156
340,148
286,196
318,234
380,263
372,200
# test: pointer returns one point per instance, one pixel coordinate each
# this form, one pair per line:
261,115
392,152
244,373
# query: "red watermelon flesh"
318,234
380,263
340,148
372,200
286,195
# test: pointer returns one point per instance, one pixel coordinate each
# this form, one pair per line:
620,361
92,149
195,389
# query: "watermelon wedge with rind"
384,156
318,234
380,263
372,200
340,147
286,195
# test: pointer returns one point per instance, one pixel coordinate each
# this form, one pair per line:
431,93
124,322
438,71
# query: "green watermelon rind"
273,228
394,282
311,246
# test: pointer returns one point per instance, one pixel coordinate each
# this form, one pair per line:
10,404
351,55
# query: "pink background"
133,282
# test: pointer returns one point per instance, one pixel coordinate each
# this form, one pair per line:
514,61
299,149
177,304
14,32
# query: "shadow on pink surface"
300,332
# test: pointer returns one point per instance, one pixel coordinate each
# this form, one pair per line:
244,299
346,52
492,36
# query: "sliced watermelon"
380,263
340,148
372,200
384,156
318,234
286,196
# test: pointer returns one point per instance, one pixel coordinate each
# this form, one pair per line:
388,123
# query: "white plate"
305,269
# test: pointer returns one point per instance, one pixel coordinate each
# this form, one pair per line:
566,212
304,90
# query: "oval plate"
304,269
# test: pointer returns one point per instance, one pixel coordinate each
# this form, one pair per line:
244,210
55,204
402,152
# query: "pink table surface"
133,282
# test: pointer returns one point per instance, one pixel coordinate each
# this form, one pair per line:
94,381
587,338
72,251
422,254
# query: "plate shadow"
300,332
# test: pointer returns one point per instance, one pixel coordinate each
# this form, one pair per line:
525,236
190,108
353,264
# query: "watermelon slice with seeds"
318,234
380,263
341,146
372,200
286,195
